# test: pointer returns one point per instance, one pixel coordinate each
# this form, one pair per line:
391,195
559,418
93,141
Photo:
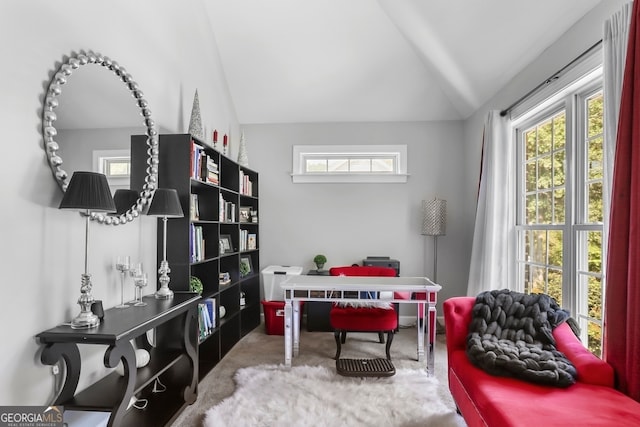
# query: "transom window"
350,163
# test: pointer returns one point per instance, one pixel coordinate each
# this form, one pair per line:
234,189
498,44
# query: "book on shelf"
194,208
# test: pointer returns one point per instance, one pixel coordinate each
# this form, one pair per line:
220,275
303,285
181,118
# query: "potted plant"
195,285
320,260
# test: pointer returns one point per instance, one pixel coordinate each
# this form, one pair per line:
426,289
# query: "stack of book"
246,186
227,210
203,167
212,171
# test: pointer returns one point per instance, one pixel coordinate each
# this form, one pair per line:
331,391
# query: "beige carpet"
316,349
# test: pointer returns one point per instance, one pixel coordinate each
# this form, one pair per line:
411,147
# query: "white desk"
340,288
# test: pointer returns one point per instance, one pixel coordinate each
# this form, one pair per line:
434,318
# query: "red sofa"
486,400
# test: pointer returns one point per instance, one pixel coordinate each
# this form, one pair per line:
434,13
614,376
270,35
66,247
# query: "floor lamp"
165,204
434,223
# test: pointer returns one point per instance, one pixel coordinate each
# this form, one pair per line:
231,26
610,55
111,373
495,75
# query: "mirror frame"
49,132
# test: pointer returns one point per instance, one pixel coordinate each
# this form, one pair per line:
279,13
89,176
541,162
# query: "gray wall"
347,222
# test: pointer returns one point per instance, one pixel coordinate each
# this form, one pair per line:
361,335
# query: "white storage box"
272,276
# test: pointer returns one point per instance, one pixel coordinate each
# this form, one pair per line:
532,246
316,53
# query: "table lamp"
87,192
165,204
124,199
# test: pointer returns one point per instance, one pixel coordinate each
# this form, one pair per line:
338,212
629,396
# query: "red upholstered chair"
345,317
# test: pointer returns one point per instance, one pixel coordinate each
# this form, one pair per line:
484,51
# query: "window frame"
572,99
303,152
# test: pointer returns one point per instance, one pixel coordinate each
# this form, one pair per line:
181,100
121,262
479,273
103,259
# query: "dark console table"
174,359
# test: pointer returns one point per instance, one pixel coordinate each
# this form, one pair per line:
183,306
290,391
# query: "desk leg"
421,325
296,327
288,314
431,338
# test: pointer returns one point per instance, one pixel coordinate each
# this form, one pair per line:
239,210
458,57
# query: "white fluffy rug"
270,395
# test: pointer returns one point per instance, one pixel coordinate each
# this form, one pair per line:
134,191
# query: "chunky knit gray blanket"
510,335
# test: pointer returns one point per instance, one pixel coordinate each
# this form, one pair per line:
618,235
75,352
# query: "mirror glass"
91,109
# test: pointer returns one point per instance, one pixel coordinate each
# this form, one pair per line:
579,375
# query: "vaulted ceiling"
293,61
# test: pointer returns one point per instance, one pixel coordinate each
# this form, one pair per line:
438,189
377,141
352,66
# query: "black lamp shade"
165,203
124,200
88,191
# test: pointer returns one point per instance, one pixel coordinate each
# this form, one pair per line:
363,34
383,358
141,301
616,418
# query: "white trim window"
560,210
115,165
349,163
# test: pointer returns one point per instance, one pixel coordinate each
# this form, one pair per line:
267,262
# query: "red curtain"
622,298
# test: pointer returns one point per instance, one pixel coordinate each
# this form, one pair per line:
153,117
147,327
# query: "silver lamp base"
164,292
86,319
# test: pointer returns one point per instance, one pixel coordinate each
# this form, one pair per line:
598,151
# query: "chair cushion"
363,319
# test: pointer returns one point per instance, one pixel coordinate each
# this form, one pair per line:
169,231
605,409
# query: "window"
560,205
115,164
349,163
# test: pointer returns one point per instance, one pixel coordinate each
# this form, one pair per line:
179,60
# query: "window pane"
531,211
559,129
595,106
595,298
539,250
595,202
316,165
595,338
544,208
594,251
544,172
338,165
531,176
360,165
530,142
118,169
382,165
527,279
594,164
555,248
558,206
545,133
558,168
537,280
554,287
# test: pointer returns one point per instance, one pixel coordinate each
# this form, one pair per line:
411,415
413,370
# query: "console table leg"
190,334
122,351
68,352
